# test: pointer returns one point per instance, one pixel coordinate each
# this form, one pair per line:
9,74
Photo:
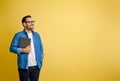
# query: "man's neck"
28,30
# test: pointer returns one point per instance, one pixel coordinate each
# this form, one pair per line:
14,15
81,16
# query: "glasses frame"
29,21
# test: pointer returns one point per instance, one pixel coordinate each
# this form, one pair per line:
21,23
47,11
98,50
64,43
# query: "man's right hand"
26,49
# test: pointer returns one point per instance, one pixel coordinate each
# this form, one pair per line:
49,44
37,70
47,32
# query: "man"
29,58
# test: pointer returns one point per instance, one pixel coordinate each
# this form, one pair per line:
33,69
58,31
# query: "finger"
30,45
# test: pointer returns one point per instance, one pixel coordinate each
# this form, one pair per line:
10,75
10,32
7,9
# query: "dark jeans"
31,74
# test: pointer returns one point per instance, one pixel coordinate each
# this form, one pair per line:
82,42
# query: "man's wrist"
19,50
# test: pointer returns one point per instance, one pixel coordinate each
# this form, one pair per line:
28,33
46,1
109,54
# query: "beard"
31,28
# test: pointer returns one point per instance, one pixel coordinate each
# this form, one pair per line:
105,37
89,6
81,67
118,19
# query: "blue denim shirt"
23,57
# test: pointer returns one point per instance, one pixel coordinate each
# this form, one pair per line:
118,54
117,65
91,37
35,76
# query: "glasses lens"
30,22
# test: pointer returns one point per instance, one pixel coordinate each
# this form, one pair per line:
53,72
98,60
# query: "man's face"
29,23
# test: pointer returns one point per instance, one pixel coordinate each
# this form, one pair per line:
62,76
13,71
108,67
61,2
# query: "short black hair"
25,17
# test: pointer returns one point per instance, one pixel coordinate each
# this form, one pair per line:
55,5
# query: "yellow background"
81,38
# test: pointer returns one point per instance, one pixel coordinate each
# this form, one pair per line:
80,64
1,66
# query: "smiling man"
29,58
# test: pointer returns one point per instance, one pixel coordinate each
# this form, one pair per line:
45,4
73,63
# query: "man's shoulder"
18,33
36,33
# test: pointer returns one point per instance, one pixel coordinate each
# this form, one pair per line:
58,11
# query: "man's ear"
24,24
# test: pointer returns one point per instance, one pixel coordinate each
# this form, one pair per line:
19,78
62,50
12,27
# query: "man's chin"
31,28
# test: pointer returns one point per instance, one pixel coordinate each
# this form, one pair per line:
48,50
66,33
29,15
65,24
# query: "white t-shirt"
31,56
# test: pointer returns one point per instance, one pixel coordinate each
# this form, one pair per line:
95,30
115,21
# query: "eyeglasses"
30,22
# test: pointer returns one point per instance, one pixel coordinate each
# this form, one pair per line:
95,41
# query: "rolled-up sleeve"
14,47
